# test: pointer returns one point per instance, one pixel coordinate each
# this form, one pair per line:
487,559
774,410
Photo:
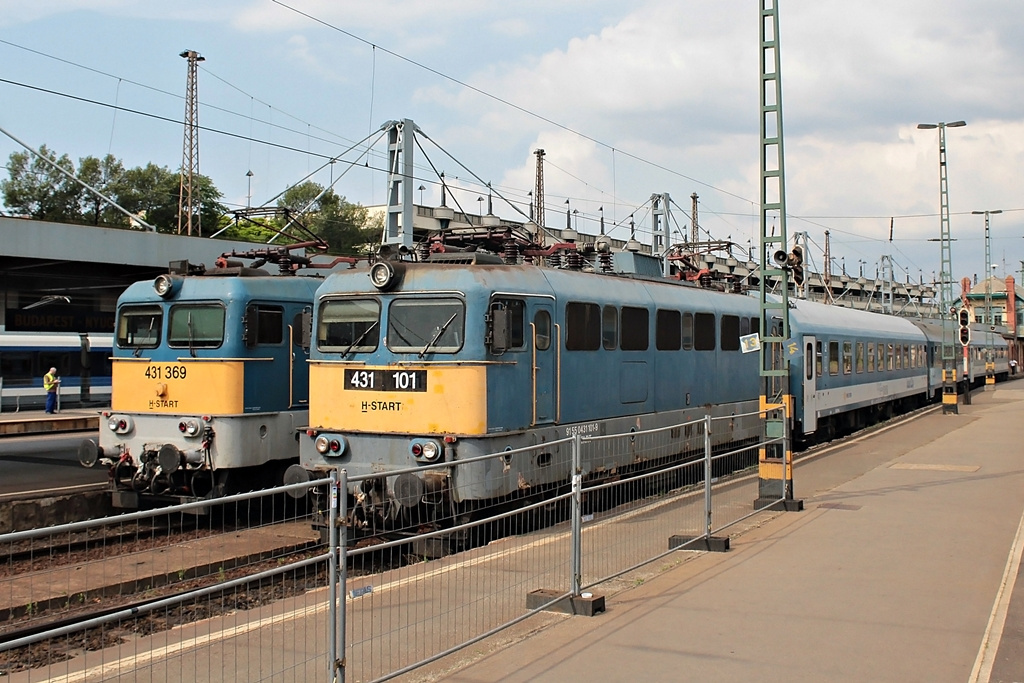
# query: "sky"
627,98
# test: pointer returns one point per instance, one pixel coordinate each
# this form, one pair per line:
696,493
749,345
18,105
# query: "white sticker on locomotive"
385,380
750,342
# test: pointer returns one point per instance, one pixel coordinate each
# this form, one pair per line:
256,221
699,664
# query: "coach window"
847,357
349,326
819,361
196,326
704,331
668,331
890,357
635,329
833,358
871,356
906,356
610,327
730,333
913,356
880,355
542,329
582,327
138,327
687,338
860,357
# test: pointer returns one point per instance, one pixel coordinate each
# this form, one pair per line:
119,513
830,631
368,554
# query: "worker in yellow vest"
50,383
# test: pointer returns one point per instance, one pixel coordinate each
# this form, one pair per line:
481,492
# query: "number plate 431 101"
385,380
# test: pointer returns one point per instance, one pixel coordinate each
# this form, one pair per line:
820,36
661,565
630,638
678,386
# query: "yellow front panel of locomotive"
203,387
454,400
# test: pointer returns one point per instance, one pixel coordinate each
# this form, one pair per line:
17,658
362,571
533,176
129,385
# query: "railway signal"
965,326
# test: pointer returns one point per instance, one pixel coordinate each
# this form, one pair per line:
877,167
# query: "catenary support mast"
775,461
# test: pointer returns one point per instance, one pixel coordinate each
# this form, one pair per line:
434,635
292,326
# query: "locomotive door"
810,382
544,351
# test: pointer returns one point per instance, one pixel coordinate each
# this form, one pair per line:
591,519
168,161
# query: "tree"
103,175
346,227
37,189
152,193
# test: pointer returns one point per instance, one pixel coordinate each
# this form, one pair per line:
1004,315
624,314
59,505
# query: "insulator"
606,261
423,251
705,280
511,254
574,260
554,260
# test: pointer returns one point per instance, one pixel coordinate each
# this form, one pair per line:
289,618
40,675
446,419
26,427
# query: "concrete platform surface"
901,568
26,422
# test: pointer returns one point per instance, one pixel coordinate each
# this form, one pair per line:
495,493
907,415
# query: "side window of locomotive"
515,312
542,330
819,361
668,331
138,327
860,357
833,358
730,333
269,324
687,337
635,329
610,328
744,326
195,326
847,357
348,325
583,327
871,356
704,331
426,325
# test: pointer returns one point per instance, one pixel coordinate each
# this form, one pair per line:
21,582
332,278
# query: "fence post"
786,457
342,535
707,476
577,517
332,577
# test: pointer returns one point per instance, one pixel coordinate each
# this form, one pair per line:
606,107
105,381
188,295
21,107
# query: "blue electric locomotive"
209,384
460,355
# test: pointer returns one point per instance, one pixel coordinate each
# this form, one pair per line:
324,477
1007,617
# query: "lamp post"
248,196
949,400
421,188
988,318
480,208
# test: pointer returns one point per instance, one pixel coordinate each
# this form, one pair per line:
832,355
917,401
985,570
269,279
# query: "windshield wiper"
191,346
149,335
360,339
437,335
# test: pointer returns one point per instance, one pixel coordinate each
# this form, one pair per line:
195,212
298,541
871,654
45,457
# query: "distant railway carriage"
462,355
82,361
209,385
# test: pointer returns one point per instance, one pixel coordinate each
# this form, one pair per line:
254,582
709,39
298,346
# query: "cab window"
196,326
426,325
138,327
349,325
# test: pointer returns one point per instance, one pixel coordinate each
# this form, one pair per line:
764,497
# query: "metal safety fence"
299,583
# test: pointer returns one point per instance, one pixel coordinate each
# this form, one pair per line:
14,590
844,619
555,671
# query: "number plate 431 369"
385,380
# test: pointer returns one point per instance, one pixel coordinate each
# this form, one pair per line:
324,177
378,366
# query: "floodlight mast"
949,384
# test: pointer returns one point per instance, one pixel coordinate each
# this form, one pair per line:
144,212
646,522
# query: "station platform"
26,422
904,566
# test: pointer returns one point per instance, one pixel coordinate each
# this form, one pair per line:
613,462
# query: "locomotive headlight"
385,274
426,449
165,285
431,451
119,424
189,427
322,444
